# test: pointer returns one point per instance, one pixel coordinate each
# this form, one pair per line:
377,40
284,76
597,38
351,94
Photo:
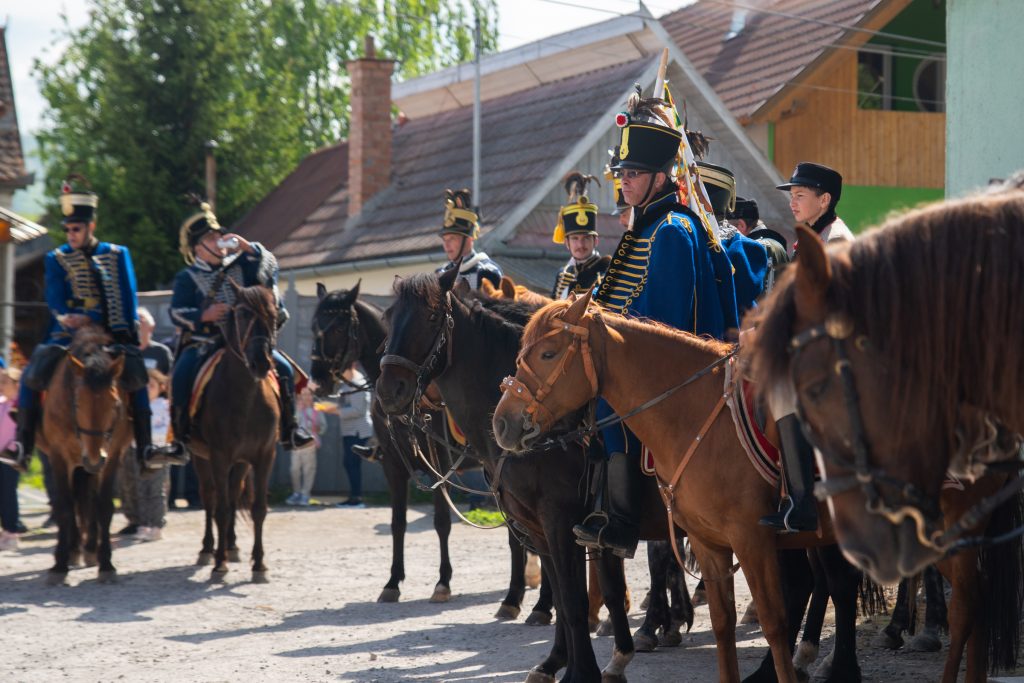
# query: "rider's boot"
799,510
174,453
18,453
617,530
293,436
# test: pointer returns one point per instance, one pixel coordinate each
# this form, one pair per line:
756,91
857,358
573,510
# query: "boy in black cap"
814,192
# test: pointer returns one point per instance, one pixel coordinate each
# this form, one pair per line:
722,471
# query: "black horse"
348,329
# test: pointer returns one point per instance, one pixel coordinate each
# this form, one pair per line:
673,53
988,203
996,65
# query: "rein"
837,329
344,356
442,343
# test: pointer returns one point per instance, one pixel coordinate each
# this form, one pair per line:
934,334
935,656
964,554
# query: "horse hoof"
260,576
56,578
605,628
806,653
700,597
442,593
538,617
90,559
234,555
642,642
107,576
926,641
389,595
613,678
885,640
507,613
824,670
204,559
218,573
537,676
670,639
594,625
750,615
646,602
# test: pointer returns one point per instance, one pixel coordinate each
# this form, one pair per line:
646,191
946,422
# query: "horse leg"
962,570
558,656
64,513
260,477
935,617
613,586
541,613
398,483
843,583
715,565
645,639
236,484
810,643
797,578
103,512
84,504
443,527
891,637
209,497
681,610
222,510
594,598
511,605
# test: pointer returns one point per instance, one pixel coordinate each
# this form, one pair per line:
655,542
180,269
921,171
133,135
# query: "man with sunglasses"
87,282
202,296
668,268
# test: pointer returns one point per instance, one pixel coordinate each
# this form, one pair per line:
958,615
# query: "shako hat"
77,205
745,209
720,184
459,219
616,180
579,216
194,228
817,176
648,140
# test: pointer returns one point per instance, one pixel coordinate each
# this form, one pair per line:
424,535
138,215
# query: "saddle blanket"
204,376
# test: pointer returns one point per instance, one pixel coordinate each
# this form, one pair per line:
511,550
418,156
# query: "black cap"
745,209
77,206
195,228
817,176
459,219
720,184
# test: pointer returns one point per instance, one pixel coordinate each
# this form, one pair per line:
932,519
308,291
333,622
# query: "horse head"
555,375
336,337
97,406
250,330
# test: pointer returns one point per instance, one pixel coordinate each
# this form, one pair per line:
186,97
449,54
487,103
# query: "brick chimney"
369,137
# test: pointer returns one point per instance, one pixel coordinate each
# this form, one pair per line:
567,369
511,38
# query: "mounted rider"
202,296
814,192
668,267
461,228
87,282
577,230
747,219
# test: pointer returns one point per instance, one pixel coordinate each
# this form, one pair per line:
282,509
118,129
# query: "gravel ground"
317,619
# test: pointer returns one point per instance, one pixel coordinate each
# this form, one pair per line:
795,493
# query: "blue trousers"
617,438
187,367
353,465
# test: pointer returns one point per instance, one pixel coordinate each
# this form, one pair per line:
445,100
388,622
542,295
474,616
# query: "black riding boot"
618,529
19,453
799,510
292,435
174,453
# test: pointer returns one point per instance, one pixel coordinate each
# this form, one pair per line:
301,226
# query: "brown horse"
710,487
903,351
236,429
85,430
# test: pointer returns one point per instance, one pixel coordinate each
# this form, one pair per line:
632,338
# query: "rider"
814,192
577,230
203,294
668,268
747,220
87,281
459,232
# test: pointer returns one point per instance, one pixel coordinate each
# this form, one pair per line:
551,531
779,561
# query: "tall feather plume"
576,183
459,199
699,143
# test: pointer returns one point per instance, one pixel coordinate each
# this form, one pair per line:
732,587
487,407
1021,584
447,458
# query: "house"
858,85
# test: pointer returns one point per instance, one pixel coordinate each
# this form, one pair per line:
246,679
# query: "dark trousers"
353,465
184,484
9,498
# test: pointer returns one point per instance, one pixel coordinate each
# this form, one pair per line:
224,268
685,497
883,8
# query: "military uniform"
773,242
577,217
97,281
460,220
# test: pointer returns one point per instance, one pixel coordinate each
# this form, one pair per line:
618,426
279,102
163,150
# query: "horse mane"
261,300
421,286
936,292
88,346
515,311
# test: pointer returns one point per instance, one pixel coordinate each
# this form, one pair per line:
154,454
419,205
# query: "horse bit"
838,328
337,363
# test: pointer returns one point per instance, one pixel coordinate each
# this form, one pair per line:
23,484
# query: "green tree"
145,83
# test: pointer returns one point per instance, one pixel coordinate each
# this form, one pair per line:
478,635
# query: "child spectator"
303,468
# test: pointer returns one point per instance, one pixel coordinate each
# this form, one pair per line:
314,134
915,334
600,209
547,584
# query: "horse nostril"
500,427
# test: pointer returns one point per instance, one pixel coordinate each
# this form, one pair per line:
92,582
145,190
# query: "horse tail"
1002,591
871,597
692,566
243,489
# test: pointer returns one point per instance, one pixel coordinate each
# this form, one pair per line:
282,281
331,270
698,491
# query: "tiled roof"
523,135
12,161
779,40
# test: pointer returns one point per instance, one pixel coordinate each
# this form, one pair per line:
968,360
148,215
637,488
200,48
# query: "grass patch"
34,477
485,517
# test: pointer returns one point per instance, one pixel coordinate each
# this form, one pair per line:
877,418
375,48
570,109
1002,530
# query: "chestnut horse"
236,428
709,486
85,430
902,350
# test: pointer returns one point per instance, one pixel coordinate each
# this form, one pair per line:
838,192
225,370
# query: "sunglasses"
632,173
74,229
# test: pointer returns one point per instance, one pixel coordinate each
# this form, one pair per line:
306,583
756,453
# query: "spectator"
151,504
303,467
356,429
8,475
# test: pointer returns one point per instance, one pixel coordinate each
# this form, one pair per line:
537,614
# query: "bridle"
837,329
441,347
106,434
345,355
242,340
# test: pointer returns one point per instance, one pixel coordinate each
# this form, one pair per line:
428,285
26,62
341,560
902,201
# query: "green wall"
921,19
862,206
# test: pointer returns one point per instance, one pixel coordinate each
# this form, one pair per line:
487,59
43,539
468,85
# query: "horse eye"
548,355
816,390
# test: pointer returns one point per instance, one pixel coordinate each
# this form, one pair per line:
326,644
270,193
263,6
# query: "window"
874,78
930,84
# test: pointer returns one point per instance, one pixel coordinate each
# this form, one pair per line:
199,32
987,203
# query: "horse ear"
321,291
351,295
577,309
813,274
508,288
461,288
447,278
117,366
488,289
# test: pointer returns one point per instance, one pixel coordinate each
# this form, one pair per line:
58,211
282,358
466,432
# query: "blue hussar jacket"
669,270
201,284
97,281
749,260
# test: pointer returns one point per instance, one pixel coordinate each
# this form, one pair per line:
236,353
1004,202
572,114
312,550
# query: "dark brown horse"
902,350
235,434
85,430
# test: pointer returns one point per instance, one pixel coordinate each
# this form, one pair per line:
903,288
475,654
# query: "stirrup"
585,536
155,457
299,438
16,459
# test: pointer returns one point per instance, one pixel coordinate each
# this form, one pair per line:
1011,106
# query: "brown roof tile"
12,160
769,52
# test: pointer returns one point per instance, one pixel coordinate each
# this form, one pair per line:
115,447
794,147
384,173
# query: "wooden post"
211,174
659,83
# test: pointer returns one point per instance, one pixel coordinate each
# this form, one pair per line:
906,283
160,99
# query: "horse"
85,430
902,351
347,329
542,493
585,354
235,436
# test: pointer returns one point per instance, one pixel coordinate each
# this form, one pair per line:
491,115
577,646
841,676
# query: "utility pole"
211,174
476,116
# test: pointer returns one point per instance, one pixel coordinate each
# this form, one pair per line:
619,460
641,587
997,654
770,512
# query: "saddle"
204,376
